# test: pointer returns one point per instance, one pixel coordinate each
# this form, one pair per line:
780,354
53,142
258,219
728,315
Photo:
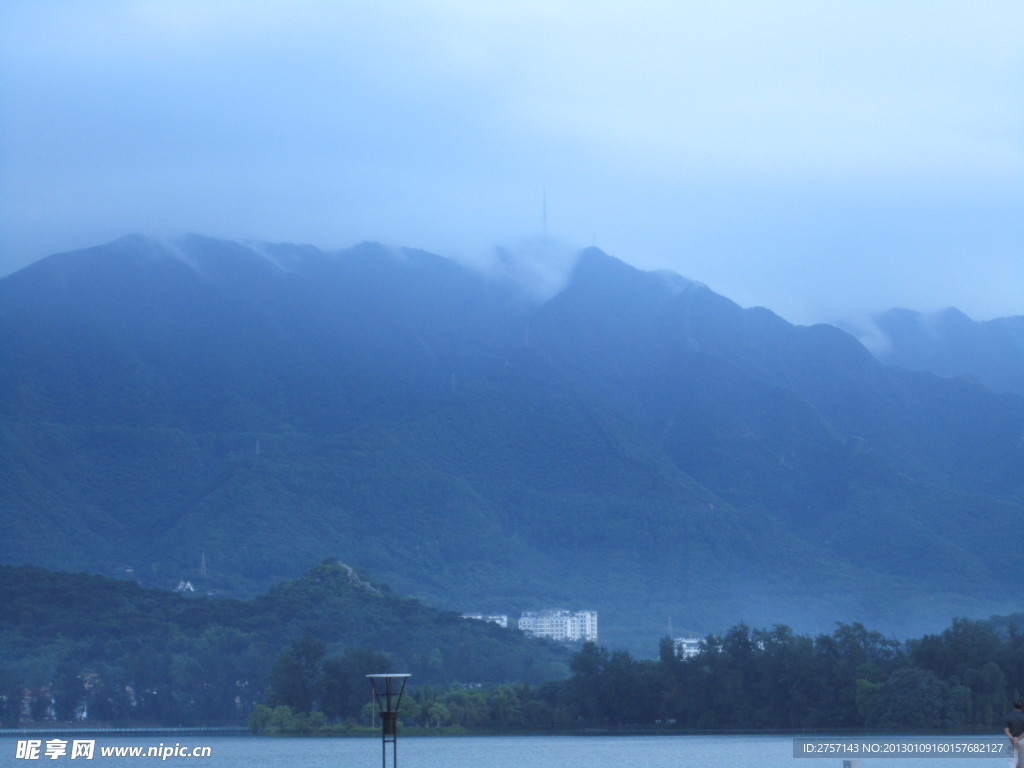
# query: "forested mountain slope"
634,444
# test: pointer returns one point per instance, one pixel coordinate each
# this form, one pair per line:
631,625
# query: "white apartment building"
687,647
561,625
499,619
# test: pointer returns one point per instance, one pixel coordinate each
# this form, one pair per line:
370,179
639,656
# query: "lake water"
466,752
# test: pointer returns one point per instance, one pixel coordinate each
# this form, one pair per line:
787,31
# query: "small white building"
564,626
687,647
499,619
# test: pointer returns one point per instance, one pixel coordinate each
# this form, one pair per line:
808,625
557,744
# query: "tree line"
75,647
746,679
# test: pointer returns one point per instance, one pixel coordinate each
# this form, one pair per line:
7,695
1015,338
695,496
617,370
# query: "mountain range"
949,343
632,443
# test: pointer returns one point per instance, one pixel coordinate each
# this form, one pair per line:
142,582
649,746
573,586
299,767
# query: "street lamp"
388,689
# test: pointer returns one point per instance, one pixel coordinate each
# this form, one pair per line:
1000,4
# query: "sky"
823,158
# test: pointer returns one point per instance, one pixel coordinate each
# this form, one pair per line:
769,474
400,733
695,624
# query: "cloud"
775,150
539,265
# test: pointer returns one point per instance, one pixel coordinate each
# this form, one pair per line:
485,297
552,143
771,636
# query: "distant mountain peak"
948,343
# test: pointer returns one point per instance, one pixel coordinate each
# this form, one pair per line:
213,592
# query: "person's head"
1018,704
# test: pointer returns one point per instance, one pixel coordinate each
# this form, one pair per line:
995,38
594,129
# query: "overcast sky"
823,158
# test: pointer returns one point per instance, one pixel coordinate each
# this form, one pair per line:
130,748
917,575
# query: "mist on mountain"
558,429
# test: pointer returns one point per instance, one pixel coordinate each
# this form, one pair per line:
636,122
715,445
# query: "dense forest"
78,647
962,679
74,646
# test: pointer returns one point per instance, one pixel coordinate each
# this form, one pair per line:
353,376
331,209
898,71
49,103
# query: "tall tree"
295,680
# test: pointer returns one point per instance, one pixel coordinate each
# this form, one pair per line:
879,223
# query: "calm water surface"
476,752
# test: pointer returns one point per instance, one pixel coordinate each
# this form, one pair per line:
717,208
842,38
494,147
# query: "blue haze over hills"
950,344
632,443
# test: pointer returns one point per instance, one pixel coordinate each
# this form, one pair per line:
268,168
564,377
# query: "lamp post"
388,689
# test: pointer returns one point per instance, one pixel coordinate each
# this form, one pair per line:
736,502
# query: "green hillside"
187,658
635,444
